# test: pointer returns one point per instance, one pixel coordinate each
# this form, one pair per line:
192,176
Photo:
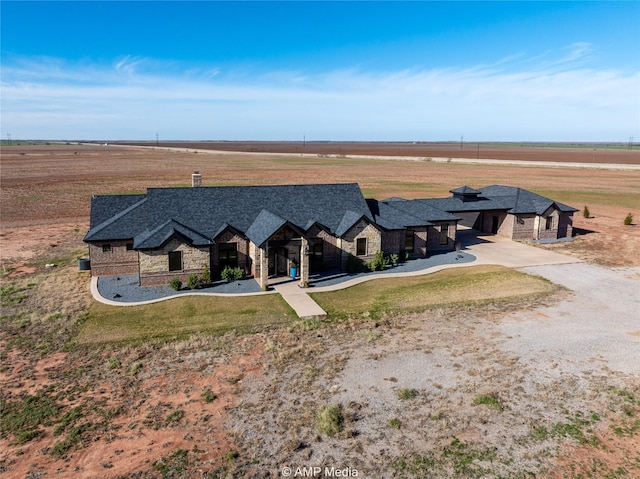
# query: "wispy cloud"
137,97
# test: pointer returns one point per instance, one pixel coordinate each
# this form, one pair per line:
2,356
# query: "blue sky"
413,71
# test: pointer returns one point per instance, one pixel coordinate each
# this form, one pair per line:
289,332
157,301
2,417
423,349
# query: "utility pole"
461,140
157,142
304,141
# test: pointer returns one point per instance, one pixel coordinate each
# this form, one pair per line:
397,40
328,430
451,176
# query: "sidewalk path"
299,300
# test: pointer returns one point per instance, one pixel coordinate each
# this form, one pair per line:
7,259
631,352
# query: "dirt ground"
527,152
246,406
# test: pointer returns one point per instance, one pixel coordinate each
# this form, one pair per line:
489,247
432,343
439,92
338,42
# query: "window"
444,234
106,248
228,255
361,247
129,246
175,260
549,224
409,241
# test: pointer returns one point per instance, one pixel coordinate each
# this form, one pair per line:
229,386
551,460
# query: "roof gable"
264,226
163,233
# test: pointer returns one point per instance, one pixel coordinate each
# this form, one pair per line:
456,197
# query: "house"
508,211
174,232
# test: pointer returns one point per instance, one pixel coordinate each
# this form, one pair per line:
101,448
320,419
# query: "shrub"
208,396
206,275
407,393
381,261
175,284
585,212
329,420
371,264
192,281
628,220
232,274
393,259
395,423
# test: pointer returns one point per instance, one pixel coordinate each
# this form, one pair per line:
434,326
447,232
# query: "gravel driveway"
599,325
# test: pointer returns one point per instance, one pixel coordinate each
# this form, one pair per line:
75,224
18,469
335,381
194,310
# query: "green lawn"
471,285
180,317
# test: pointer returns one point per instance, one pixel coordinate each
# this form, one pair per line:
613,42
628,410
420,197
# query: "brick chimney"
196,179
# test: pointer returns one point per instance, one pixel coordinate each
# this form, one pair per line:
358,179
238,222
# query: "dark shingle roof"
166,231
465,190
497,197
400,214
200,214
209,210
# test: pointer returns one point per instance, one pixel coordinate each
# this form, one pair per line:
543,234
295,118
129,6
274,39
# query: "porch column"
304,263
264,267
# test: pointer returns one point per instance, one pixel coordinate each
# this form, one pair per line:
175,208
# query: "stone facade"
154,264
362,229
113,257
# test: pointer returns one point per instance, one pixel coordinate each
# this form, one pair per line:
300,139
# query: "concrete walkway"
493,249
299,300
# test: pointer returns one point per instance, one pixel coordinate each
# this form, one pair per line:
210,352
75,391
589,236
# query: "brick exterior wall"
565,225
543,232
393,241
433,237
331,252
114,262
505,225
523,227
154,264
530,226
244,258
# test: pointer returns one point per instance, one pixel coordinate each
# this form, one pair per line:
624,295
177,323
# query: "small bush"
192,281
381,261
628,220
406,394
371,265
395,423
585,212
206,275
208,396
174,417
329,420
393,259
232,274
175,284
114,363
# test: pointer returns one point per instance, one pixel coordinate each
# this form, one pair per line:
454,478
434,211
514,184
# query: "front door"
278,261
